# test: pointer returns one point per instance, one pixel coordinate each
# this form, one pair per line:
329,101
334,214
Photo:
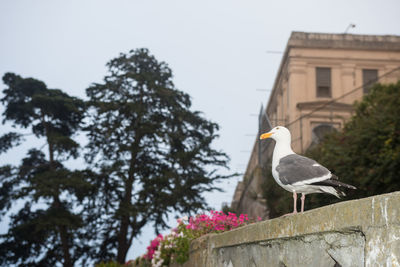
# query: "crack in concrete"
337,264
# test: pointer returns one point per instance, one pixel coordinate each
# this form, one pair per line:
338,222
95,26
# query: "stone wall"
364,232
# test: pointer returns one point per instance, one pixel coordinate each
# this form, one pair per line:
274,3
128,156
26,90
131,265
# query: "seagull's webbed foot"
288,214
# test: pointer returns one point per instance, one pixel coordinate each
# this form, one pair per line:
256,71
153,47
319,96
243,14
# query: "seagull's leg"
303,198
294,202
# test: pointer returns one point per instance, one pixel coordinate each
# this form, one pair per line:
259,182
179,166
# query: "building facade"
319,79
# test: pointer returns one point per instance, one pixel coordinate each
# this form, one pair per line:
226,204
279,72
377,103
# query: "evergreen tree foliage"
152,152
366,153
41,193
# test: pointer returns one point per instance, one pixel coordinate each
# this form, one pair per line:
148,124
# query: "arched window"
320,131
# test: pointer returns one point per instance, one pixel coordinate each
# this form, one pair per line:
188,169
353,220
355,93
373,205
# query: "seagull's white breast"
281,150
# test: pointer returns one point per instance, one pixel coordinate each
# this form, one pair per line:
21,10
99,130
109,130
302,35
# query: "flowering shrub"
174,247
216,222
153,247
165,252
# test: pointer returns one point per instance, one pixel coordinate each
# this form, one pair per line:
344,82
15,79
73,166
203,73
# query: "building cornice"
329,105
345,41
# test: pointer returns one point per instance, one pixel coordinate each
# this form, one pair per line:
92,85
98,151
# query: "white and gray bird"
299,174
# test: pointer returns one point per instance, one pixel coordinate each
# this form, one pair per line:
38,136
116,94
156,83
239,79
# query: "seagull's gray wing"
294,169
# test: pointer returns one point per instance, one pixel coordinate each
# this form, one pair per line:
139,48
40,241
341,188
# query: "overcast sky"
218,51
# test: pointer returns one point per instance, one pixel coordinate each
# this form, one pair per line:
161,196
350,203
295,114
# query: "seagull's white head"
279,133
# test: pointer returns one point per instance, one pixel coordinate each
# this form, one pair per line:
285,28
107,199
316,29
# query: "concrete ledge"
364,232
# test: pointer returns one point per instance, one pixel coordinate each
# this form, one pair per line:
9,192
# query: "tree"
366,153
45,230
153,153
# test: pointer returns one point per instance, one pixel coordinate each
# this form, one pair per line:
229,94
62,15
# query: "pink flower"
153,247
216,221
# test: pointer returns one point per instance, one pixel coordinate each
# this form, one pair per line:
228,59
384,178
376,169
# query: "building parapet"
344,41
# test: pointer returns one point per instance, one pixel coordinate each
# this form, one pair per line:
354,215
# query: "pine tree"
45,230
153,153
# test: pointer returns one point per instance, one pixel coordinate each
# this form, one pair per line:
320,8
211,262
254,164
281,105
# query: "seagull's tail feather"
334,187
335,178
335,183
332,190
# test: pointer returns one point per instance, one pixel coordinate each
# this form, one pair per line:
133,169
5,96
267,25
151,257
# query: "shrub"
174,247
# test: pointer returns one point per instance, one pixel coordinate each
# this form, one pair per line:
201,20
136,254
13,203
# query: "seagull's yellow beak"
266,135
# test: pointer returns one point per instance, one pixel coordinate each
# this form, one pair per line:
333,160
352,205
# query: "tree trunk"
64,238
122,239
62,229
123,245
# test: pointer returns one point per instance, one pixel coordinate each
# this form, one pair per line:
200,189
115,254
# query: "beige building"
319,79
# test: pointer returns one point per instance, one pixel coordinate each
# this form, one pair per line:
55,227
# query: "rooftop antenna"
351,25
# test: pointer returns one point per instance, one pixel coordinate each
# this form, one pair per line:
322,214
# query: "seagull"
299,174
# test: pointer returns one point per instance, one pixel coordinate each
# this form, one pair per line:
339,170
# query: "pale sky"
218,51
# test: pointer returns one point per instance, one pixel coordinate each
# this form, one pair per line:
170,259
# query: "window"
319,132
323,82
369,78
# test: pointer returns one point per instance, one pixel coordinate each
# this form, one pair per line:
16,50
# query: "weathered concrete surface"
363,232
324,249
